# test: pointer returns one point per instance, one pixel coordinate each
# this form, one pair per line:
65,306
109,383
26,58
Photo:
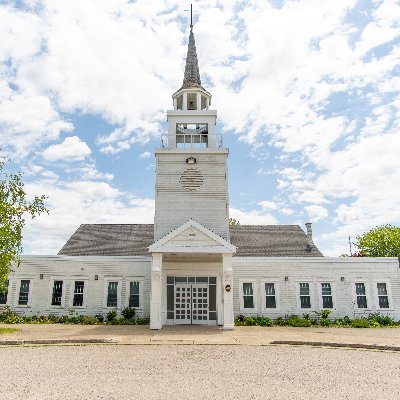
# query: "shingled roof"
134,240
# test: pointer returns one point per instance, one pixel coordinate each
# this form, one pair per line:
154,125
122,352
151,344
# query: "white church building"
191,266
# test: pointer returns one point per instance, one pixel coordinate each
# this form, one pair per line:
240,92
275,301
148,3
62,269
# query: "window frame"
264,295
367,295
7,295
389,294
74,279
51,285
333,294
311,295
18,289
255,295
119,290
128,290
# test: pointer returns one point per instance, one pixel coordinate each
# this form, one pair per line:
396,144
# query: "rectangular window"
383,295
248,295
3,295
270,299
112,294
24,293
305,299
361,295
134,294
327,301
56,298
78,294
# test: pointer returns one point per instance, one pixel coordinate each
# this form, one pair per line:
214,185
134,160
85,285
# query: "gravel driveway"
196,372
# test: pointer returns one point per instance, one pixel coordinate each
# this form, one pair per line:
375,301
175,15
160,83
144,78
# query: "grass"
8,330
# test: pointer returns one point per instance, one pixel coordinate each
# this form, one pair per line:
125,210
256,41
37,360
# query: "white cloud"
71,149
252,217
316,213
146,154
90,172
79,202
268,205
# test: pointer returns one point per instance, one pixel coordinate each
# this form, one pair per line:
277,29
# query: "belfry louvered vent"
191,179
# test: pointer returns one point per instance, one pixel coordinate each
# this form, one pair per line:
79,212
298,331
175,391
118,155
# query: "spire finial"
191,15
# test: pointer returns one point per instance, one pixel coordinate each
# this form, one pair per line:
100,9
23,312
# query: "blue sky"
307,94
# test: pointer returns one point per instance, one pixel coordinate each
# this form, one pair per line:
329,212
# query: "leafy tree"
14,209
382,241
233,221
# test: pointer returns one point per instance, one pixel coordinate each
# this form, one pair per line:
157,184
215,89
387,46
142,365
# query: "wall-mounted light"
191,160
286,278
342,278
41,276
96,277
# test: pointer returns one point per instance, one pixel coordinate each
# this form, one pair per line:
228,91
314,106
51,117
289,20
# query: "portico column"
156,286
229,322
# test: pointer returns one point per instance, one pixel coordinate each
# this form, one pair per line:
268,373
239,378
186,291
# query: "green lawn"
8,330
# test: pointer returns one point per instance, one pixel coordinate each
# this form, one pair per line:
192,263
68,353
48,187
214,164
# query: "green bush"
100,318
111,316
128,313
280,321
360,323
264,321
296,321
383,320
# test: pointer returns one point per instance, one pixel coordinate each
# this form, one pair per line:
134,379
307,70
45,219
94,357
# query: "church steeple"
192,73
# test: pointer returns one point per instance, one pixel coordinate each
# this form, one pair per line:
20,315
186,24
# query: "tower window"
203,102
179,102
192,101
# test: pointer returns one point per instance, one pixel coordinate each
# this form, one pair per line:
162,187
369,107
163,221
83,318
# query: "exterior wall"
245,269
316,271
69,269
208,205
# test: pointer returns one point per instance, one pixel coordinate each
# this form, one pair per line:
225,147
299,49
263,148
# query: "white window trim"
255,296
18,288
64,290
389,294
333,291
141,289
277,297
106,281
312,300
367,294
72,291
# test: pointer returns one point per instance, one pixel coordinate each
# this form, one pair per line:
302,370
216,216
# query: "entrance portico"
191,278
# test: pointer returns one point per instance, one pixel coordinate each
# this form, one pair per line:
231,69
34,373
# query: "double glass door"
191,304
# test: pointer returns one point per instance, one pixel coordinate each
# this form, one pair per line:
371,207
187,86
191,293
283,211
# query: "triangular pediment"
192,237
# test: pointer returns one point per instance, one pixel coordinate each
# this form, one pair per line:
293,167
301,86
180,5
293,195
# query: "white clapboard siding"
316,270
208,204
69,269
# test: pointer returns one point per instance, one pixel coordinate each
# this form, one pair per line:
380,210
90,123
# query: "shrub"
359,323
383,320
249,321
111,316
296,321
128,313
280,321
100,318
264,321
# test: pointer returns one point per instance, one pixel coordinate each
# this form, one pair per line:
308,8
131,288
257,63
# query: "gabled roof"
135,239
208,241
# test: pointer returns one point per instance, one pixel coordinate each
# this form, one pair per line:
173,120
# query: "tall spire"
192,73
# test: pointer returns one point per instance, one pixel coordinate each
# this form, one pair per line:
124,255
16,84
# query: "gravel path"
196,372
